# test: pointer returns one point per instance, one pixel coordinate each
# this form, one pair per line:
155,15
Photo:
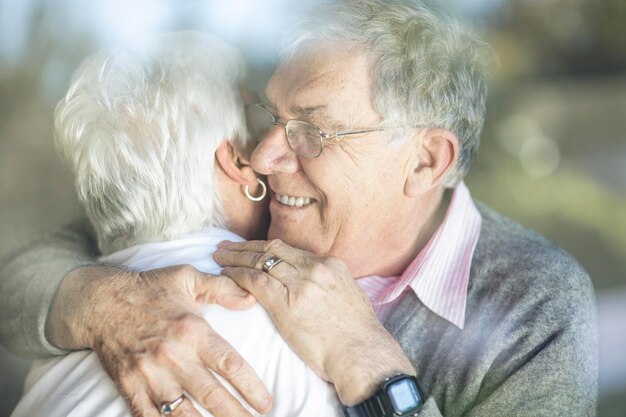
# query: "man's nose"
273,154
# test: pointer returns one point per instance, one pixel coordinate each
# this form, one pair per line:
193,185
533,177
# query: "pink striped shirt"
439,275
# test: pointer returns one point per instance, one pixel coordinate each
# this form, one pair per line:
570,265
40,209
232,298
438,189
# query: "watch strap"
374,406
380,405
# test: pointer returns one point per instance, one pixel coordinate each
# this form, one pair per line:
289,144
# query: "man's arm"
29,280
146,327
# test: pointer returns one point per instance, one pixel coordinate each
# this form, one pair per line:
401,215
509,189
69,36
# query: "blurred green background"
553,152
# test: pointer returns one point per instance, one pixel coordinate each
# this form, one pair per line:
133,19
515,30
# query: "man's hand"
321,312
148,332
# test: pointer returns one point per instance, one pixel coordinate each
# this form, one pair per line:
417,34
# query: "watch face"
404,396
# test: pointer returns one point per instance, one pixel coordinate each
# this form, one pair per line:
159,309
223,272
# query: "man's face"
356,186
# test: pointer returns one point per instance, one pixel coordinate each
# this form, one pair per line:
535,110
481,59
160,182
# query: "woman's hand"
151,338
321,312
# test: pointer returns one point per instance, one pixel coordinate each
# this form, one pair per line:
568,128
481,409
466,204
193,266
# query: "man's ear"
235,165
437,153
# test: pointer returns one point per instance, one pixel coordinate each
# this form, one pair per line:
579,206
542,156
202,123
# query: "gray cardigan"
529,346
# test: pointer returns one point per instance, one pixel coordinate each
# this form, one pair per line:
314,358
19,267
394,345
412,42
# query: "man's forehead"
299,83
313,78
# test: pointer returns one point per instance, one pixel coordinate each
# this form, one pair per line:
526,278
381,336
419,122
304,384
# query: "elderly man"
371,121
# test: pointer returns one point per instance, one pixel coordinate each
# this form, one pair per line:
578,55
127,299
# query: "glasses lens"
259,120
304,138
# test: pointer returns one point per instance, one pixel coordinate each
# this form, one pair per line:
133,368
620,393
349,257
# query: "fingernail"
218,251
266,404
224,243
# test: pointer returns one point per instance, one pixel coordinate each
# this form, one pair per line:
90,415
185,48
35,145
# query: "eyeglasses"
304,139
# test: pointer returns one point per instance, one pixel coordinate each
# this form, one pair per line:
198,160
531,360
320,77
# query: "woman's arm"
321,313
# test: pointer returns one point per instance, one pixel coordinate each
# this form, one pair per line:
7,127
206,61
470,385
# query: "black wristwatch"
400,396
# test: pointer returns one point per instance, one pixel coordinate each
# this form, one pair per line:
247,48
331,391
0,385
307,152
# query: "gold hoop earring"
260,197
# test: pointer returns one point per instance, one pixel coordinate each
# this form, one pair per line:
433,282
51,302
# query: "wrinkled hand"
151,338
321,313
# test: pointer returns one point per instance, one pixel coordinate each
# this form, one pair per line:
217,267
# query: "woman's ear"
234,165
437,153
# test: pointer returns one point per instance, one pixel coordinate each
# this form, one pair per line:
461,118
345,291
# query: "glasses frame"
323,137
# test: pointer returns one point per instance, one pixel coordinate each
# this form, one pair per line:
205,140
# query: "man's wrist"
357,387
68,324
400,395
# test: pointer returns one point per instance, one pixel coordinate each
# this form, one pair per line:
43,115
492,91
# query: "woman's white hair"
426,69
140,126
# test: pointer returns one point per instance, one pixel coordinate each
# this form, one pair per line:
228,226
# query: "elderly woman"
371,121
157,142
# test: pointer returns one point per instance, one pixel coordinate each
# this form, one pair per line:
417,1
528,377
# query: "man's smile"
294,201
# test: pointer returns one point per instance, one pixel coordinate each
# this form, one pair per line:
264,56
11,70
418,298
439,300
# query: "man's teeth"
293,201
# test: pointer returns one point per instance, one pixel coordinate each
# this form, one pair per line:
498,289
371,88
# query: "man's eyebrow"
309,111
319,114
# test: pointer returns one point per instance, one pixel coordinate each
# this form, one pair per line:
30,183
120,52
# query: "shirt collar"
439,275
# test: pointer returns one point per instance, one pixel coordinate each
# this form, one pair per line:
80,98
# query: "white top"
76,385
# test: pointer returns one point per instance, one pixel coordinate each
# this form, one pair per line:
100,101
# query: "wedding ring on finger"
270,263
169,407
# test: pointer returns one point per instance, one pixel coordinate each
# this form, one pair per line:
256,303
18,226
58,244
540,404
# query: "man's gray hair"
426,69
140,126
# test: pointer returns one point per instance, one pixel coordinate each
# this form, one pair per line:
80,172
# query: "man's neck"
410,236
